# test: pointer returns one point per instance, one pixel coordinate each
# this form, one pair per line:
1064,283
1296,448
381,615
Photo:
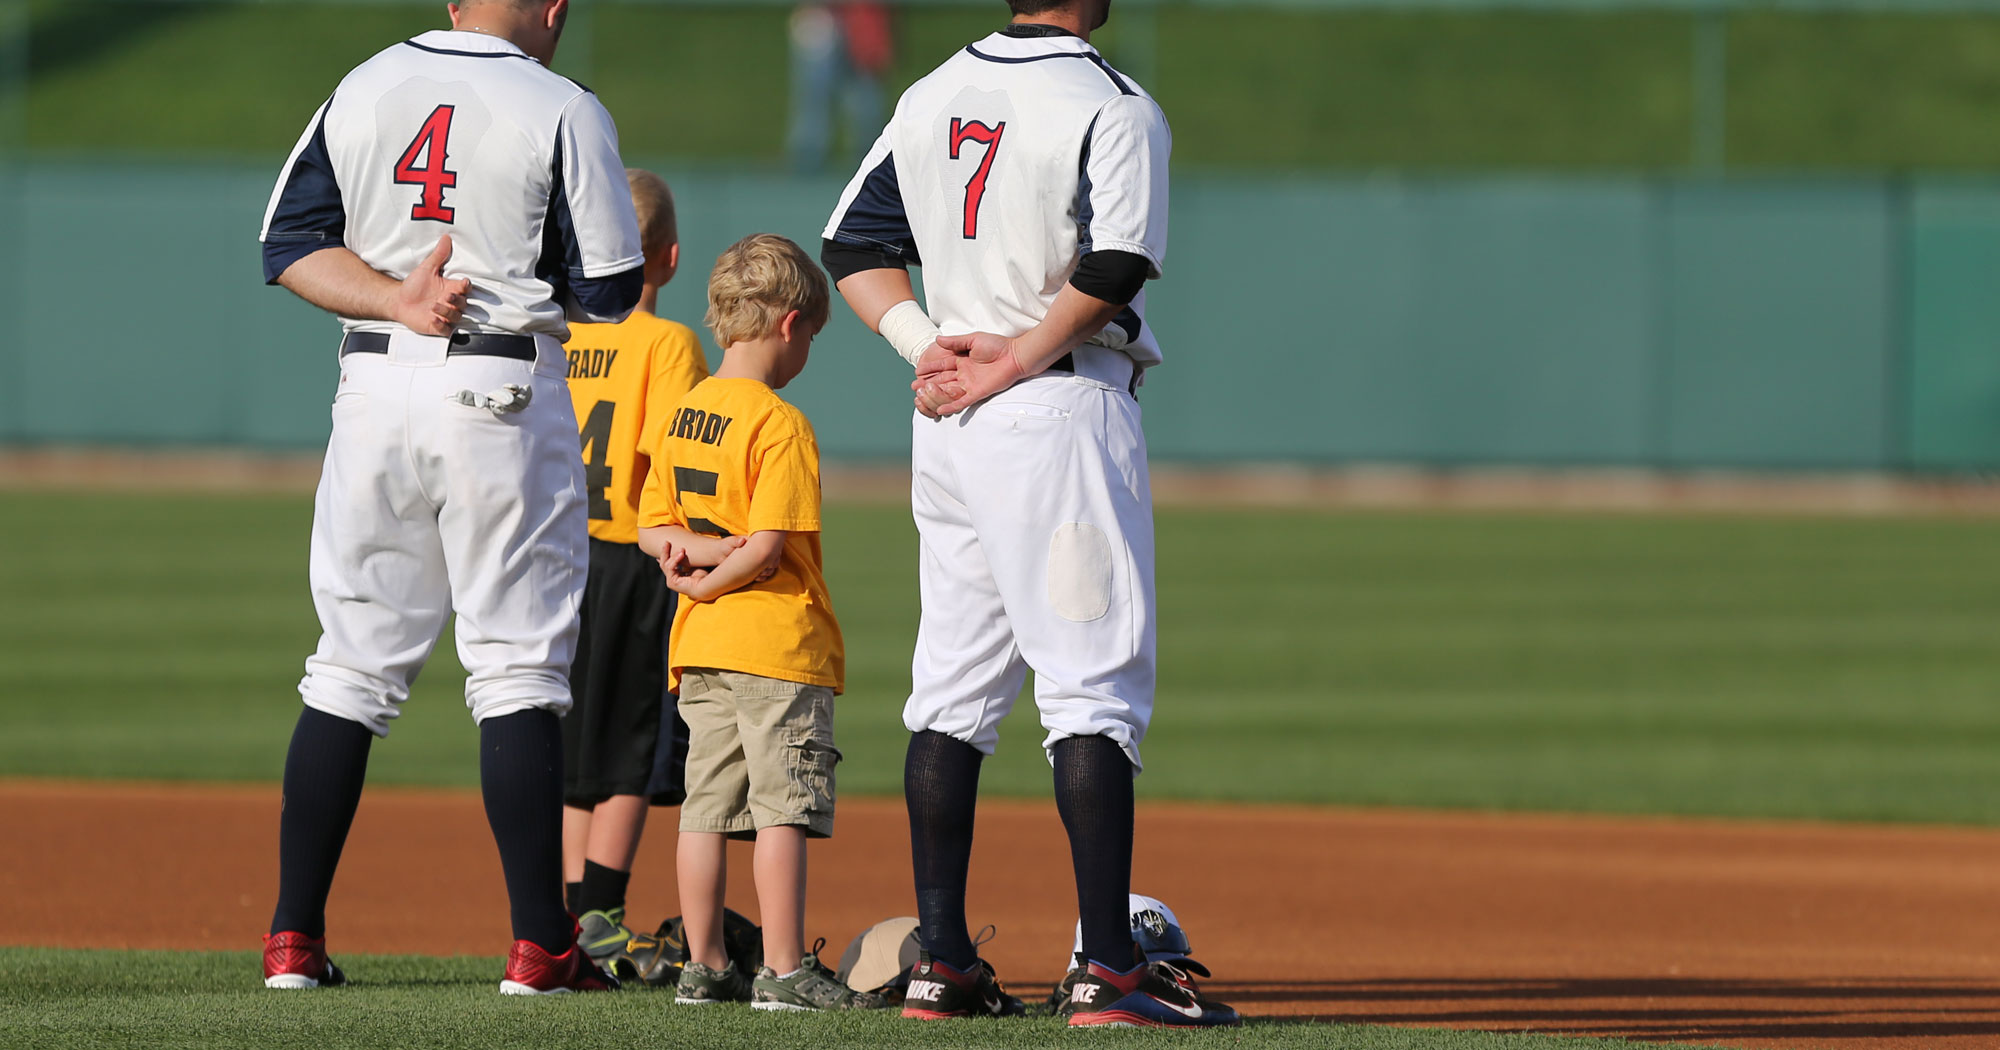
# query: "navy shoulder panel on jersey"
876,218
561,261
309,214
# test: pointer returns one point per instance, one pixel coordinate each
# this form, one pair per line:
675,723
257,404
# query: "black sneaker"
1153,995
939,992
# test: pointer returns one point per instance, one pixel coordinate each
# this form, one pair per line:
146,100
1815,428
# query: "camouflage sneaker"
810,987
701,986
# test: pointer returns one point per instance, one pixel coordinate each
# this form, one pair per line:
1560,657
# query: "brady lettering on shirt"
1038,540
456,148
697,425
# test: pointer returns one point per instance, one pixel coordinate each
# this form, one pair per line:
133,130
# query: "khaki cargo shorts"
760,753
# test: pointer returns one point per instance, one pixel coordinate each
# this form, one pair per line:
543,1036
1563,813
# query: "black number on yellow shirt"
596,435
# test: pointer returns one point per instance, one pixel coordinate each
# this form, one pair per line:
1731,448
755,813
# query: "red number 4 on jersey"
430,142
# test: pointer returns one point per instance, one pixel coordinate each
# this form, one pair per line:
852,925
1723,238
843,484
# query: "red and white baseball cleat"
531,970
294,960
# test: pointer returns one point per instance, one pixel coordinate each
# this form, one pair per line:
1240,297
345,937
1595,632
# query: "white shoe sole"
678,1001
290,981
779,1006
517,988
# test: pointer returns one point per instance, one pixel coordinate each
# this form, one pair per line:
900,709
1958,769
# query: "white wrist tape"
908,329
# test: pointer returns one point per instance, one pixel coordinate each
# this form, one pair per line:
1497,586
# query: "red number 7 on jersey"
963,131
433,177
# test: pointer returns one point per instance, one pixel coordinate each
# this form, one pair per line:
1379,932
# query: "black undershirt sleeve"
844,260
1112,275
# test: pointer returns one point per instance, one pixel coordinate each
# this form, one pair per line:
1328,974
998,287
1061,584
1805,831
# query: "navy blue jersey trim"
876,219
468,54
561,263
1123,87
1128,322
976,53
310,214
1084,210
1116,80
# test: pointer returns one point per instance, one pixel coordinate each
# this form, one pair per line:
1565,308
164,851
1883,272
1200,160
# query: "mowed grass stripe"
1778,667
213,999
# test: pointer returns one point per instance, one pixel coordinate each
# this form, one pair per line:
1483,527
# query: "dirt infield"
1759,935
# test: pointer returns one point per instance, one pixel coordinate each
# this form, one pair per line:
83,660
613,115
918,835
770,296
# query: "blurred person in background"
840,52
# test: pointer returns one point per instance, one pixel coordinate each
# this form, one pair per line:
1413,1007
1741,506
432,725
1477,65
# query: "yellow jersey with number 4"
737,459
625,379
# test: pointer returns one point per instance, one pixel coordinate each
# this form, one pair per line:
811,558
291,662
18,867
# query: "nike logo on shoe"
993,1006
927,991
1185,1011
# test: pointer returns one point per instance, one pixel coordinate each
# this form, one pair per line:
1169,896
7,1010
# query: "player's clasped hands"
960,371
429,302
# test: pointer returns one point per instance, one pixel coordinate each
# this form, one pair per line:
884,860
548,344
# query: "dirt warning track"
1748,934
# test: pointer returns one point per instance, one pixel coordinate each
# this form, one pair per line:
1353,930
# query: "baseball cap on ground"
879,960
1154,927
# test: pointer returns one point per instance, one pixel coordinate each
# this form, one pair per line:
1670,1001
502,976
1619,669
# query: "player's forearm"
872,292
743,565
1074,317
338,281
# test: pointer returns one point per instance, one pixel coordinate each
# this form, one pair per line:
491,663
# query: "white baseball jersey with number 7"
461,133
960,182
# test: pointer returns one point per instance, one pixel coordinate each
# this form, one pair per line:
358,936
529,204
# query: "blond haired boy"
623,745
732,511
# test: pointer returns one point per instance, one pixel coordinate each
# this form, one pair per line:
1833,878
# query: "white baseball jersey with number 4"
1004,167
998,174
461,133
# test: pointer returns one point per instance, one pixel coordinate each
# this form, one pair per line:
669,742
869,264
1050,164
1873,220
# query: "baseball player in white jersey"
452,481
1029,179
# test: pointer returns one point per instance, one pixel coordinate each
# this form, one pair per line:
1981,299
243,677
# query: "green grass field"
153,999
1250,89
1780,667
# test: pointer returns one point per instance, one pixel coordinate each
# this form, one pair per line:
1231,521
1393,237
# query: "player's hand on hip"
987,366
428,302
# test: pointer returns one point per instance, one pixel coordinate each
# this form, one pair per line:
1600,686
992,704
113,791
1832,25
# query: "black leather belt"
483,344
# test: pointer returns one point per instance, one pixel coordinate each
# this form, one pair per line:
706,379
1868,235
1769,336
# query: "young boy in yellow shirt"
732,511
623,745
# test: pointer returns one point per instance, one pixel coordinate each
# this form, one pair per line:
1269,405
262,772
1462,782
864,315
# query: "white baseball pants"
428,506
1036,519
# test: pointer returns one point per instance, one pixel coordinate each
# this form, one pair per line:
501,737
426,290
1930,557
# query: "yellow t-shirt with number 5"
734,459
625,379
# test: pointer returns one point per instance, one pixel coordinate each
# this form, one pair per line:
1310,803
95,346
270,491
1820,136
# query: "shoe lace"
1175,974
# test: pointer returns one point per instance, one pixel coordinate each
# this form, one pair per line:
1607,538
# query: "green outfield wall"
1812,324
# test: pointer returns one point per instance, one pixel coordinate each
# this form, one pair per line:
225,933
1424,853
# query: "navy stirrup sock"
520,778
941,788
1094,795
324,770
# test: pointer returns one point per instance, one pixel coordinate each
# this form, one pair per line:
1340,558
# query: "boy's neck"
752,359
649,299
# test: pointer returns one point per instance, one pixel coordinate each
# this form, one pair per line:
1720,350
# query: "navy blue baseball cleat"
1151,995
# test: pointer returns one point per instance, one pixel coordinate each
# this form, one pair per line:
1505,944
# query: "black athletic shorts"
623,735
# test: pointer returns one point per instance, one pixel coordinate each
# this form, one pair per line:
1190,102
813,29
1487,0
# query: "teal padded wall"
1954,382
1844,324
1781,326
